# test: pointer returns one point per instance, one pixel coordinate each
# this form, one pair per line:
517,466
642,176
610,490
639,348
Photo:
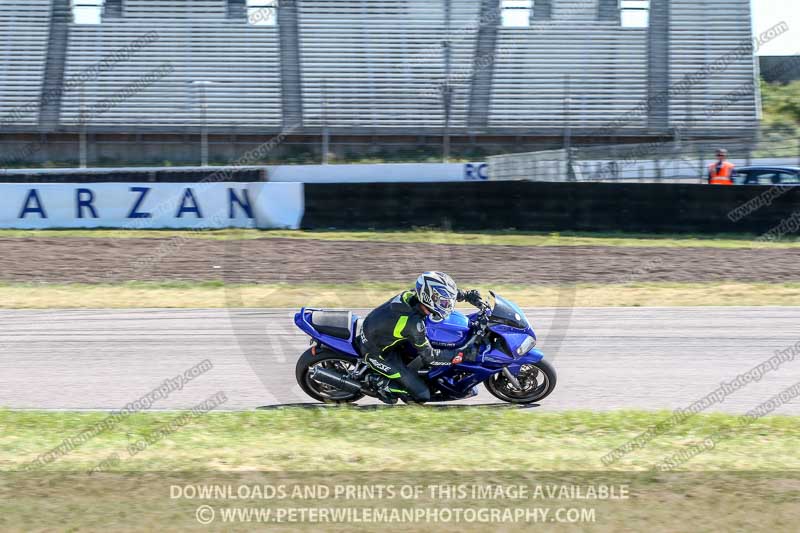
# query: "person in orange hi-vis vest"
721,172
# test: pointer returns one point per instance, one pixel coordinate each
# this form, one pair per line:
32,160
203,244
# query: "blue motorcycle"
333,371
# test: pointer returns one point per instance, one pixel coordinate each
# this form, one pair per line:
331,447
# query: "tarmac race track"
606,358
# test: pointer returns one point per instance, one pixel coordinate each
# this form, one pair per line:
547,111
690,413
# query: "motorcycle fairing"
303,321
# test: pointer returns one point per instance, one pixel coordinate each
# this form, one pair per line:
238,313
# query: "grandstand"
237,66
24,31
367,72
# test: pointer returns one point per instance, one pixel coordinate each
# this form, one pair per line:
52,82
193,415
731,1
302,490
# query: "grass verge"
218,295
504,459
368,439
507,237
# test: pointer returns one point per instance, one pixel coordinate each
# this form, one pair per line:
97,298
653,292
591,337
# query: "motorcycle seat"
334,323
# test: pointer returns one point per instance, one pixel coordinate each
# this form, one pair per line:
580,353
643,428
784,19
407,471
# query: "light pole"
568,129
201,85
325,134
447,98
82,133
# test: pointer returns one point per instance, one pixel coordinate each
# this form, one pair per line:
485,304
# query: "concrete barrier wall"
531,206
151,205
542,206
361,173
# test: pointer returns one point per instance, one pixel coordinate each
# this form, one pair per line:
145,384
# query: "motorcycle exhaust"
334,379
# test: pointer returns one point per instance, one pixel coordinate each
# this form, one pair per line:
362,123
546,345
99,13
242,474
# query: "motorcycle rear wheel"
320,391
538,380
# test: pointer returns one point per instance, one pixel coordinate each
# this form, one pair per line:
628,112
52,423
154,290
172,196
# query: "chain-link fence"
668,161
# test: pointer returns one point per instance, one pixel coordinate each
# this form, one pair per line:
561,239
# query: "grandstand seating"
607,69
375,67
158,10
239,62
382,64
703,33
600,67
24,29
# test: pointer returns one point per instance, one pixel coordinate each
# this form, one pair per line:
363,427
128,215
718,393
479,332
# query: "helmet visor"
445,306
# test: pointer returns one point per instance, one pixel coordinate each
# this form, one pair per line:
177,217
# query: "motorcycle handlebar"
483,315
481,326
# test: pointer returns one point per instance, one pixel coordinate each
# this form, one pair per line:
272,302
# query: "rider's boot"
387,396
383,389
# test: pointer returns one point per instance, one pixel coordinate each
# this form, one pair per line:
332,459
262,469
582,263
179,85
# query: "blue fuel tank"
450,332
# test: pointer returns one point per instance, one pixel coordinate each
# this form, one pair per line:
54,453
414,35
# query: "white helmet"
438,292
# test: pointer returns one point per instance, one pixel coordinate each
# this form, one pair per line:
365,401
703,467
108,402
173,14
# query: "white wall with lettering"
151,205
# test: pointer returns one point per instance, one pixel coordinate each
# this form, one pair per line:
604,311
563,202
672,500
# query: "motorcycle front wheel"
537,381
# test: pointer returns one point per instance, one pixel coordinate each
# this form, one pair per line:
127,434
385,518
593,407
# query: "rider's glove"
472,297
435,356
469,355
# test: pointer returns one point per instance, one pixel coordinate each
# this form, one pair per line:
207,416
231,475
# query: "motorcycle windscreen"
508,313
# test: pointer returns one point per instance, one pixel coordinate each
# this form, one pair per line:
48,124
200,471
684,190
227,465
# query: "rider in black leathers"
399,324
